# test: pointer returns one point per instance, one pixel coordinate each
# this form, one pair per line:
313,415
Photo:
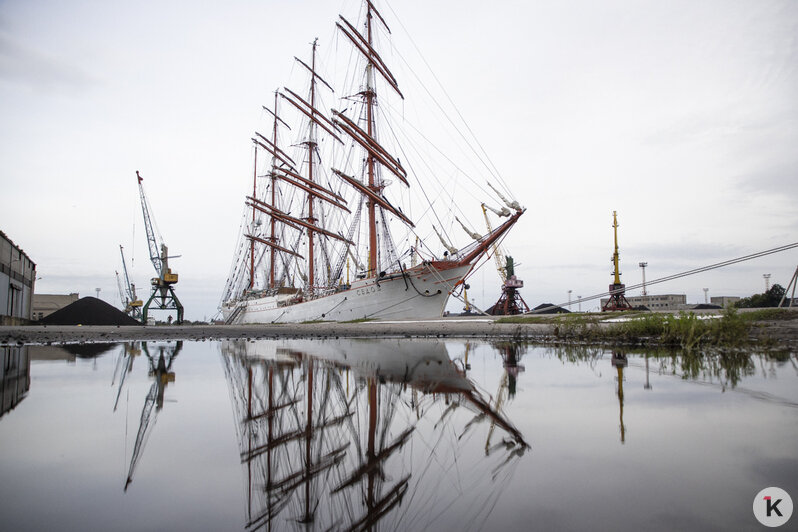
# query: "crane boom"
129,290
122,293
152,241
498,255
130,300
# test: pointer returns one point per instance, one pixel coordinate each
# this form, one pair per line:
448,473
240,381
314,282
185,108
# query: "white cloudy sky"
680,115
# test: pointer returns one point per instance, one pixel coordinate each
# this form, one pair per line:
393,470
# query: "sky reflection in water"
394,434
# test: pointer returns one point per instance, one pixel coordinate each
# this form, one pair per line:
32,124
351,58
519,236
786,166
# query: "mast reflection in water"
391,434
349,434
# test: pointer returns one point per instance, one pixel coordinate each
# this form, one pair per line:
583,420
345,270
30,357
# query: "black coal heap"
88,311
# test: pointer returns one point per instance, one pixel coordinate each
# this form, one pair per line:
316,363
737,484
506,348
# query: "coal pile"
549,308
88,311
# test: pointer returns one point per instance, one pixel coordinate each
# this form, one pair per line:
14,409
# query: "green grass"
770,314
685,330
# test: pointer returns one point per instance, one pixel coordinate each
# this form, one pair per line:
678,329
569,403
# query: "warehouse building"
656,302
17,277
46,304
724,301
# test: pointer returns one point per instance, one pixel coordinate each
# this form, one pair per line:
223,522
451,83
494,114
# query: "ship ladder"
232,318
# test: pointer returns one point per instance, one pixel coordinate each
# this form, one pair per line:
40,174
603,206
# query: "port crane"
122,294
510,302
128,292
163,292
617,300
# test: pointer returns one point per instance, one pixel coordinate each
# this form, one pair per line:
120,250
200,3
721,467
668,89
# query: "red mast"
272,235
252,242
311,145
369,97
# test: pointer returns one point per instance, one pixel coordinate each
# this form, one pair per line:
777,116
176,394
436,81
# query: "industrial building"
655,302
46,304
724,301
17,277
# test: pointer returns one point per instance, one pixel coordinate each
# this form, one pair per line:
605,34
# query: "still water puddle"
389,434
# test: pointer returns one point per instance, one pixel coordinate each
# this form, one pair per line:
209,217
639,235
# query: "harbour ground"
781,333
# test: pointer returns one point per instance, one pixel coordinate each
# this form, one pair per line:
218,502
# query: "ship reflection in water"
346,434
352,433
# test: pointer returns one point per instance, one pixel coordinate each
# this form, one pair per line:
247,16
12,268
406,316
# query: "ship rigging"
320,236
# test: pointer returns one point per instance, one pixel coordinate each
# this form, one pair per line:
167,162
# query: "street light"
643,266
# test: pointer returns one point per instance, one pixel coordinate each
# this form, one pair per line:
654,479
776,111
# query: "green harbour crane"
163,293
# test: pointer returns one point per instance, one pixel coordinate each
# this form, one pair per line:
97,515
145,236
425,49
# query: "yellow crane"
617,300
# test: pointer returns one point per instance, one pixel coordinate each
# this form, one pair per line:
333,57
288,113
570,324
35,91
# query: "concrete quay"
780,334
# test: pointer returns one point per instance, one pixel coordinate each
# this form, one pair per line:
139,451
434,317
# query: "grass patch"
685,330
554,318
770,314
359,320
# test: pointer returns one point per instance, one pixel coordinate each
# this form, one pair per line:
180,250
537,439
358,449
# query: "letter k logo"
772,506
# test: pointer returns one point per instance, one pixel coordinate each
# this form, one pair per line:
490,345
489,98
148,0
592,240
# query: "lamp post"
569,300
643,267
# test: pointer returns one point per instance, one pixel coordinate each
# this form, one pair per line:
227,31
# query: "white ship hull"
418,293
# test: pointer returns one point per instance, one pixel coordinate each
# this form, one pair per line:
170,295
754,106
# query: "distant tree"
771,298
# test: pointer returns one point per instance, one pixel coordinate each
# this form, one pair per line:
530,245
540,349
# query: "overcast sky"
680,115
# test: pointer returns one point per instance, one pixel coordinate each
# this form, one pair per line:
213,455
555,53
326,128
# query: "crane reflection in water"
160,358
356,434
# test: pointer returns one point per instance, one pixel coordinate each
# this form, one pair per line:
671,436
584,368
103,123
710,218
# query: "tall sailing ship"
330,232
